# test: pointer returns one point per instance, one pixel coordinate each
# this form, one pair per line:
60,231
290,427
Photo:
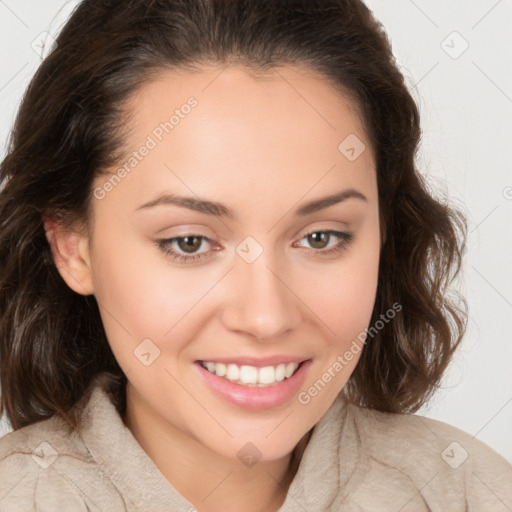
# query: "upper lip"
257,362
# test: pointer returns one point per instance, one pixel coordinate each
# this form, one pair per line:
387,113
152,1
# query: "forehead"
224,132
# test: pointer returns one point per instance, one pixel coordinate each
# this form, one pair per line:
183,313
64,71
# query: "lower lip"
253,397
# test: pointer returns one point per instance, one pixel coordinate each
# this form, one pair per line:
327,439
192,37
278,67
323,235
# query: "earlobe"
70,252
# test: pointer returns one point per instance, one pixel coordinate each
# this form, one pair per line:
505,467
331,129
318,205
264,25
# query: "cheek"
140,297
343,300
344,295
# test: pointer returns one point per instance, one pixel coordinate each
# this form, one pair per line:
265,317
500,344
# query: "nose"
263,304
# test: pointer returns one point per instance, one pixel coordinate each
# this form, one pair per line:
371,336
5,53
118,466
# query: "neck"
206,479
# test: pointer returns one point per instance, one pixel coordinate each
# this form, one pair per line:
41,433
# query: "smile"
252,387
246,375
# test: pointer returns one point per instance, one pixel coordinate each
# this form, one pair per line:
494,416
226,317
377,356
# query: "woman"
225,285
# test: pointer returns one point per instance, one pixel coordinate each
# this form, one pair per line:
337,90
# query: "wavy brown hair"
69,129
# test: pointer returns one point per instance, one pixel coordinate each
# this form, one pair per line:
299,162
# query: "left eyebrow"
221,210
325,202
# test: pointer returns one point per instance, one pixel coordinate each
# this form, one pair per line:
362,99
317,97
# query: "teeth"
220,369
266,375
290,369
251,375
233,372
248,375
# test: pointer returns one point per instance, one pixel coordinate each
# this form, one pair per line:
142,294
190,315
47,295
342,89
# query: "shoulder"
436,458
46,467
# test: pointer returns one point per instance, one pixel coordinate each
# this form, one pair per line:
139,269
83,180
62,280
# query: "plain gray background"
456,58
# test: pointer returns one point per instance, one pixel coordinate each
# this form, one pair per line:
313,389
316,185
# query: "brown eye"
190,244
319,240
185,249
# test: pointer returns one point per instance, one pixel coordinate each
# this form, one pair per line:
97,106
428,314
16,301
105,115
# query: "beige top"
356,460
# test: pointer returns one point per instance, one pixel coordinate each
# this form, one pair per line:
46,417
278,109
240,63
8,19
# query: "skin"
263,147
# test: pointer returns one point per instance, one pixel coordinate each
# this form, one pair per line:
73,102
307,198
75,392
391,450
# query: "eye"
319,240
187,245
183,249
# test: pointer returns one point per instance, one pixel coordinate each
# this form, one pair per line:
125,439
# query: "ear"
70,251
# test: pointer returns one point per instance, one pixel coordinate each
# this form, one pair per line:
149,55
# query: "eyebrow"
220,210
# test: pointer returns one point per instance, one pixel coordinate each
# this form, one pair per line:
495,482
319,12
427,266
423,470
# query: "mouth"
252,376
254,384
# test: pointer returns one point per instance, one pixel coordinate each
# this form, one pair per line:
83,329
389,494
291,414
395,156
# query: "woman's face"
181,282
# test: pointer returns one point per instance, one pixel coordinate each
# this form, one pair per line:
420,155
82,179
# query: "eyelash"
164,245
